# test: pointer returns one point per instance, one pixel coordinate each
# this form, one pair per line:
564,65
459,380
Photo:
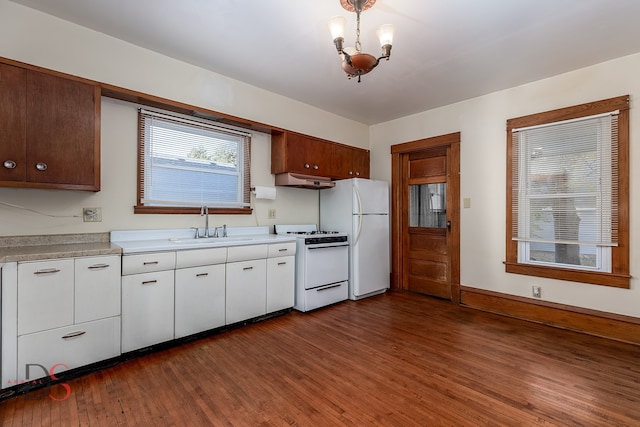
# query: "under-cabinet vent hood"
303,181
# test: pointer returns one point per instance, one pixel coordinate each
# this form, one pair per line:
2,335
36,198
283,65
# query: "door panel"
425,216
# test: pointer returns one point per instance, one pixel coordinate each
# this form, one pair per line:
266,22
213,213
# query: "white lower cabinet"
45,295
200,299
50,352
246,290
281,273
97,288
147,309
280,283
68,314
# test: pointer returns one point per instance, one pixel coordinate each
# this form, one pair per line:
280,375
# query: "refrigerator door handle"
357,193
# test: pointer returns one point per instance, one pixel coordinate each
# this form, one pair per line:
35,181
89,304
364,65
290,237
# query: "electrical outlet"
272,214
92,214
536,291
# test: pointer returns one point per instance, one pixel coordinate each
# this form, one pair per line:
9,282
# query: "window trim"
619,276
140,208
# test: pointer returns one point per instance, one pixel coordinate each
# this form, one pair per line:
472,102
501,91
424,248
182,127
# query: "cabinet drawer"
45,295
97,289
198,257
246,253
146,263
67,348
282,249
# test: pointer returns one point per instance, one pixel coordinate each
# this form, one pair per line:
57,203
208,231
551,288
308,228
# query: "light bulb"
385,34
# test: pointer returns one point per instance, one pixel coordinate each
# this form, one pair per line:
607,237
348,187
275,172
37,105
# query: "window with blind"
565,200
186,163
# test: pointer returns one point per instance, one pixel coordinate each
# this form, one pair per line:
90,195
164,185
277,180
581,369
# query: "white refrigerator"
360,208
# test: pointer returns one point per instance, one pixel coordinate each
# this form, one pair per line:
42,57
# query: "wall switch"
536,291
272,214
92,214
466,202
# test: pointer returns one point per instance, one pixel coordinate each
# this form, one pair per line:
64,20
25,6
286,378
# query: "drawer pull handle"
97,266
48,271
283,250
202,274
150,263
149,282
10,164
41,166
337,285
248,268
73,335
282,263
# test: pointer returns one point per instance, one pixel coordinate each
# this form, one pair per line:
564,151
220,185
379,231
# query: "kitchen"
71,49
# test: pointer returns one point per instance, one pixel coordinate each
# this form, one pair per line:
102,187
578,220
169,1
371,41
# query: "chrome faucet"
204,211
216,231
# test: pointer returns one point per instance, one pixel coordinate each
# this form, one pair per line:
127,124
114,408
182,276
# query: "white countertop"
138,241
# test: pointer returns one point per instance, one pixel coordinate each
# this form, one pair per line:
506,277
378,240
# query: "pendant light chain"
358,44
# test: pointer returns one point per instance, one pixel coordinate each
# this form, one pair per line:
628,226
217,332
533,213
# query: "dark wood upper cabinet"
297,153
49,130
350,162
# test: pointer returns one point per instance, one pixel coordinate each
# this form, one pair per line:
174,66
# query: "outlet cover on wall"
92,214
536,291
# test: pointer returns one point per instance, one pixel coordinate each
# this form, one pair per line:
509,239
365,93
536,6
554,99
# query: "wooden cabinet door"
342,162
360,163
61,132
12,123
350,162
307,155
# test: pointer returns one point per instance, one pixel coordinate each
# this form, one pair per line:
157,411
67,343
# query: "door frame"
399,212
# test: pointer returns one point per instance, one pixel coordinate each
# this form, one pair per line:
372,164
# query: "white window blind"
565,181
191,163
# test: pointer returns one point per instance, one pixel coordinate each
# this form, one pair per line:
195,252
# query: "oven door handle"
324,288
327,247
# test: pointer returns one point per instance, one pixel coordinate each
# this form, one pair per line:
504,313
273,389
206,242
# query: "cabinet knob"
315,167
350,172
9,164
357,173
307,166
41,166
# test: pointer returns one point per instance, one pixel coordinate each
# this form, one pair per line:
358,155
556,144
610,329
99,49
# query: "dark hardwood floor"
393,360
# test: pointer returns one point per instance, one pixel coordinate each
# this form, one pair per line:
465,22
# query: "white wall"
36,38
482,123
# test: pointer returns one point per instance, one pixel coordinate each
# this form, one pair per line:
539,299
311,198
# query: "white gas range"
322,266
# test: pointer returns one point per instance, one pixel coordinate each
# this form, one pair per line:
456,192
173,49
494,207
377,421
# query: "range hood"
303,181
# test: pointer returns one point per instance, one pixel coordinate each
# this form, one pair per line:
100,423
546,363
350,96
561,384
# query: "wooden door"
425,216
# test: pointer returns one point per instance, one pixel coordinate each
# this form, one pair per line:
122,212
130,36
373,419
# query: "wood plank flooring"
394,360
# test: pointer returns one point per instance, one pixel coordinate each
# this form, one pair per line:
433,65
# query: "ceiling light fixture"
354,62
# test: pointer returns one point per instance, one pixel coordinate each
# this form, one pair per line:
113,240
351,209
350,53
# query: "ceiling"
444,50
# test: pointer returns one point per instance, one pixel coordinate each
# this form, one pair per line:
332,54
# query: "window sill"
594,278
138,209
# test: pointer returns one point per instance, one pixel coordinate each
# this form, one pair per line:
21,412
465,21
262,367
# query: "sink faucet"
204,211
216,231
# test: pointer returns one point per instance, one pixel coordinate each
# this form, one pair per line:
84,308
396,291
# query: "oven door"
326,264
